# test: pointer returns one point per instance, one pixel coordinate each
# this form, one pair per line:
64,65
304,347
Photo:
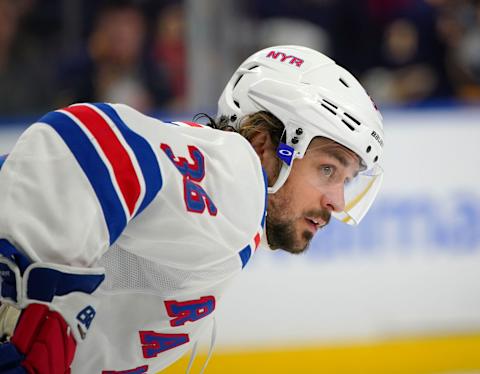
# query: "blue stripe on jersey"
143,152
2,160
245,254
45,283
8,250
94,168
265,179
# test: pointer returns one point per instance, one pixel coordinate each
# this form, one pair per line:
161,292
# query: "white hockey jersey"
164,213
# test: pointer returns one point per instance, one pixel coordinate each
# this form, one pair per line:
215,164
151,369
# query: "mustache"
320,214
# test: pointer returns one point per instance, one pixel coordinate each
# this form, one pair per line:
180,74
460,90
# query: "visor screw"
294,140
299,131
233,118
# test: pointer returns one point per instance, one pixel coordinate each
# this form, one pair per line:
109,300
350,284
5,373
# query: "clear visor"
359,195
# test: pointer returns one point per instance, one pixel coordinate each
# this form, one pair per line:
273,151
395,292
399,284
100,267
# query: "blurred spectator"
351,36
26,74
395,45
405,78
412,64
115,67
469,49
169,52
277,31
134,51
458,24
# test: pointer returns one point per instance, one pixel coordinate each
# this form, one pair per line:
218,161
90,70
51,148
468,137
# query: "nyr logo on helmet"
292,60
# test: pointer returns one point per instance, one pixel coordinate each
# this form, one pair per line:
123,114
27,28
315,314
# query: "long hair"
250,125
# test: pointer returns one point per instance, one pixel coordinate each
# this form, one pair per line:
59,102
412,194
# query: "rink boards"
398,294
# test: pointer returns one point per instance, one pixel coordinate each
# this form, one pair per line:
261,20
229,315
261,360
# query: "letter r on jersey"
189,311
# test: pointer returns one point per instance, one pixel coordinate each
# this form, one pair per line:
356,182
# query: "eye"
327,170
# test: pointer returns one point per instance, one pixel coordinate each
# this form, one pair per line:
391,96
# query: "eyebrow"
340,158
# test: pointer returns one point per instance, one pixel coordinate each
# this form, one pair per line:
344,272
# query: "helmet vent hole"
236,104
343,82
348,125
329,109
375,159
353,119
369,148
332,108
329,103
253,67
238,80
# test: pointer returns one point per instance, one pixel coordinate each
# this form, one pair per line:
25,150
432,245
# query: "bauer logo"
377,138
282,57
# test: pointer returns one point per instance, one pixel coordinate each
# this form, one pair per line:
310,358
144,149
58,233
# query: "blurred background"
398,294
176,55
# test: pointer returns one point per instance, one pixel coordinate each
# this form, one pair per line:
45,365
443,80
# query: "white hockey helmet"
312,96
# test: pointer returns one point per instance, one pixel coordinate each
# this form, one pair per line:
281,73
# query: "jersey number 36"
196,199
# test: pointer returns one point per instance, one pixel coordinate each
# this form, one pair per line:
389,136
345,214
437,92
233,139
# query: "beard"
282,232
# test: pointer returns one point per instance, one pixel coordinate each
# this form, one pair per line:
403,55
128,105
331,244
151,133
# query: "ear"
263,146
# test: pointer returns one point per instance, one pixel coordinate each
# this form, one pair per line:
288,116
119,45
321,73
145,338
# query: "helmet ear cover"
312,96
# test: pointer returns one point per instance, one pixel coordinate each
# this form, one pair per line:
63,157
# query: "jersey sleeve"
72,183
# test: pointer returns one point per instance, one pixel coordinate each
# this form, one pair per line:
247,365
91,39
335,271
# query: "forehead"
323,146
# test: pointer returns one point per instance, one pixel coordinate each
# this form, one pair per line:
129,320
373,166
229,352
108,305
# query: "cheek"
288,204
309,191
280,204
299,194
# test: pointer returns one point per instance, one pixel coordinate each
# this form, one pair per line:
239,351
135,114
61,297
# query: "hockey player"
120,232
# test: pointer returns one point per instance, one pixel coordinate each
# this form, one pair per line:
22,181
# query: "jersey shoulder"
213,197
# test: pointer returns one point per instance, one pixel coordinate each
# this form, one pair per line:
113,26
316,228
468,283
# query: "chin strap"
282,177
285,153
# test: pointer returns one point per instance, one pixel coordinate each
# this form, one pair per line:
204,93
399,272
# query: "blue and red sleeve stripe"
120,165
247,252
188,123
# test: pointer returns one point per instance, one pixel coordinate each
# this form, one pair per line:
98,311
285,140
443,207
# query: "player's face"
313,190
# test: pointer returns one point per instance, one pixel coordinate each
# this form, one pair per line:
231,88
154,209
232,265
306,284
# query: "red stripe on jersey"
256,239
193,124
116,154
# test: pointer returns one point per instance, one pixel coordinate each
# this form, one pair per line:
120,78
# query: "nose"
333,199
